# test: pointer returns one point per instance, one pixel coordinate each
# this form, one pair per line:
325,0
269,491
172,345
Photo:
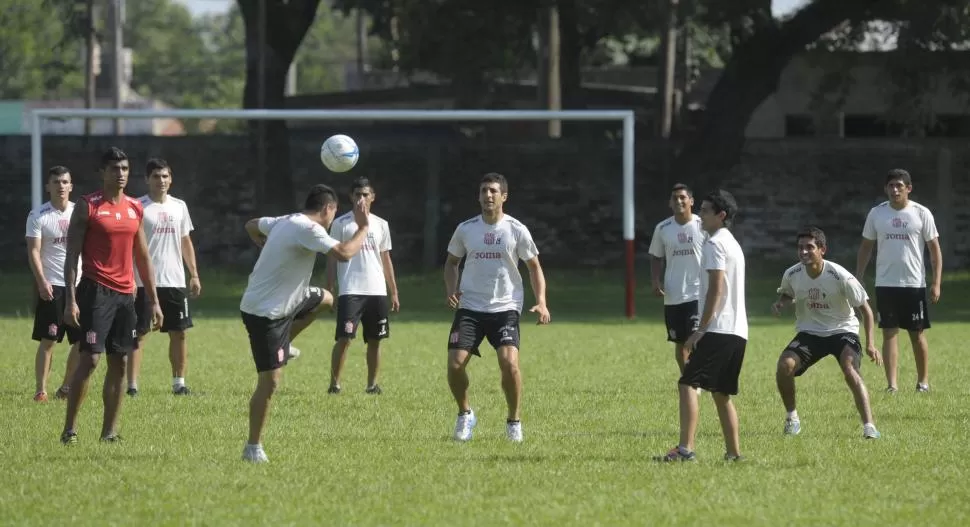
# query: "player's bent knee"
787,365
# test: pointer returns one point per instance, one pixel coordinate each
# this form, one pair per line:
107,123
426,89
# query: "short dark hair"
813,232
156,163
723,201
319,197
495,177
56,171
898,174
685,188
360,182
112,155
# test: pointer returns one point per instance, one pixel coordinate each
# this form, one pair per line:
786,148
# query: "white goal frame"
625,116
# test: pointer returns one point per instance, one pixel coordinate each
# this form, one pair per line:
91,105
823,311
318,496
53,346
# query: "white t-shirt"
490,282
681,246
900,236
50,225
165,224
722,252
364,273
824,304
281,277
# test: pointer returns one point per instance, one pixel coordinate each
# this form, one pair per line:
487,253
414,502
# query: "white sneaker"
464,426
513,431
254,454
869,431
293,353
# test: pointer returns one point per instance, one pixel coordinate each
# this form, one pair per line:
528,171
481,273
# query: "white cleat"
254,454
513,431
869,431
293,353
464,426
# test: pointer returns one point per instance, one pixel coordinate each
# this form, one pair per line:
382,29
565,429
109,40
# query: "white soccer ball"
339,153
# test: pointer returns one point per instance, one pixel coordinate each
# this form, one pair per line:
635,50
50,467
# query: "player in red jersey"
105,232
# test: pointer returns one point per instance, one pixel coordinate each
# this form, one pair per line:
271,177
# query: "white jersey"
281,277
50,225
722,252
364,273
490,282
900,236
824,304
680,245
165,224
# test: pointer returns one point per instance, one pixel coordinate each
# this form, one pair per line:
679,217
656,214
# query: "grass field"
600,400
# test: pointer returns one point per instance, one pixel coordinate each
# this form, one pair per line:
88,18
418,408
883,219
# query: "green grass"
600,400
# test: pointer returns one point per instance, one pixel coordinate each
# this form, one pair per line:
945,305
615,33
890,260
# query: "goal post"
625,116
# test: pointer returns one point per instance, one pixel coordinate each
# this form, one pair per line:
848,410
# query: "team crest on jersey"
131,214
63,225
682,237
491,239
814,294
118,215
899,223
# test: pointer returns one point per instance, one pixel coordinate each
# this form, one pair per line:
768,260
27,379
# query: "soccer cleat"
254,454
69,437
111,438
373,390
793,427
62,392
464,426
869,431
729,457
513,431
293,353
40,397
922,388
676,454
181,390
891,390
132,392
333,390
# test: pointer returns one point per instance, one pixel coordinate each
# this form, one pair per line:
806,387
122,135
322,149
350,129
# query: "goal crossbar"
625,116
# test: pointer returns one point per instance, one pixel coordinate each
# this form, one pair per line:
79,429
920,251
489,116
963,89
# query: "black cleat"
132,392
69,437
111,438
373,390
182,390
333,390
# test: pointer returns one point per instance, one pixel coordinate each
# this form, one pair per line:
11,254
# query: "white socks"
793,415
178,381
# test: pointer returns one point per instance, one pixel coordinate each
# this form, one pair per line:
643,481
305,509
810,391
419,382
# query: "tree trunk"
750,77
570,74
266,75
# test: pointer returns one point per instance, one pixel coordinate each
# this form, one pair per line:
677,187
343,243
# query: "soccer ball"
339,153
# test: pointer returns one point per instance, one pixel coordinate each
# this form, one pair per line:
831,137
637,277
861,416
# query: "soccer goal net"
575,193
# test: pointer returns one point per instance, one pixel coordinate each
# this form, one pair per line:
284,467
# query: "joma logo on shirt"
486,255
891,236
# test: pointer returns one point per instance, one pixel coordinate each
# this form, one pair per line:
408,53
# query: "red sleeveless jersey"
108,251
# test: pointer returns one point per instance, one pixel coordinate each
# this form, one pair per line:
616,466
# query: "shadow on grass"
591,296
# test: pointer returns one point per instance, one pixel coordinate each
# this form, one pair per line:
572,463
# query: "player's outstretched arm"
783,301
391,280
862,258
147,273
44,288
936,260
452,294
256,235
75,244
538,280
868,325
188,257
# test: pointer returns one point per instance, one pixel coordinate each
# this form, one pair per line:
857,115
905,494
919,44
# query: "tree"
273,36
39,50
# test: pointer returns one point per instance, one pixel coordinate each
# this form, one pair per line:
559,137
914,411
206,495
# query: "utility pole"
668,65
117,13
548,79
90,48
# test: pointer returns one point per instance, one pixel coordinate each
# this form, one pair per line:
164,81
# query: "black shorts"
107,318
269,339
471,327
371,311
813,348
902,307
175,310
715,364
49,319
682,320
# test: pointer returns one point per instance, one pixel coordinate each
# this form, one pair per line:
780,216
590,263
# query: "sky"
199,7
